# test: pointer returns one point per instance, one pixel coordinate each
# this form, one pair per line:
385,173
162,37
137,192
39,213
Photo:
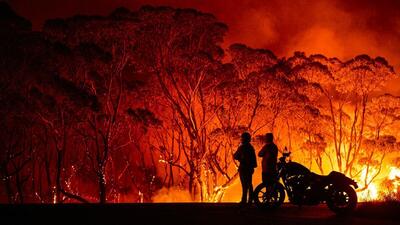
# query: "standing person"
269,154
246,156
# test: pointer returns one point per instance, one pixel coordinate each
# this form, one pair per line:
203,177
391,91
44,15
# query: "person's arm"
261,153
238,154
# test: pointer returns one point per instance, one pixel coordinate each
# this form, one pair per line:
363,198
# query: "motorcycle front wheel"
269,196
342,199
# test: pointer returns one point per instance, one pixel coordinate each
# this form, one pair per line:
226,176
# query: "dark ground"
194,213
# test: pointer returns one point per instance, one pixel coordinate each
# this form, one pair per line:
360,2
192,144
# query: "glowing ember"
54,195
140,197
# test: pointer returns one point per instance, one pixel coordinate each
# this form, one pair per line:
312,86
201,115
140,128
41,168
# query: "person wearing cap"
246,156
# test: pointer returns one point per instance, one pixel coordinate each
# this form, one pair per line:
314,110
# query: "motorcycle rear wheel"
269,197
342,200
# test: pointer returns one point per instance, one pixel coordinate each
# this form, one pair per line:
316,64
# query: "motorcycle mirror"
286,152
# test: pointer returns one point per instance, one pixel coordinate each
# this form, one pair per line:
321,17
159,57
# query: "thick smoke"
335,28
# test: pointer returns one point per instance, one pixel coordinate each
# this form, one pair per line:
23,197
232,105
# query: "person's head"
245,137
269,137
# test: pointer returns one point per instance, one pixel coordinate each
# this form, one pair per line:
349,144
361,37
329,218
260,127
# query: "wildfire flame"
394,176
371,193
394,173
378,191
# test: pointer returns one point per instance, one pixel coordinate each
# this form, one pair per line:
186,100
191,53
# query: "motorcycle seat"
318,177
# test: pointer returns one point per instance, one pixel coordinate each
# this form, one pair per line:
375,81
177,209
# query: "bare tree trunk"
58,175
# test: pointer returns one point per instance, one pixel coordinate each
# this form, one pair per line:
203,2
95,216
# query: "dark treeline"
114,108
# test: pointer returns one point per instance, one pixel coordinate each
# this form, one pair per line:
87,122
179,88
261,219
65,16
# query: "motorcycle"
304,187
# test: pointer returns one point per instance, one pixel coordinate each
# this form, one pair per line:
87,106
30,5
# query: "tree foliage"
113,108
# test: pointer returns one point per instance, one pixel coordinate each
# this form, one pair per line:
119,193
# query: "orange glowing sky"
335,28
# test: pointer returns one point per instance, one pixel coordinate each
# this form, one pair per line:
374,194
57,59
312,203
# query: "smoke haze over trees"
116,108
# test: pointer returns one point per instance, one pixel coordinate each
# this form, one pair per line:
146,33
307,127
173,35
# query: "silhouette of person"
269,154
246,155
